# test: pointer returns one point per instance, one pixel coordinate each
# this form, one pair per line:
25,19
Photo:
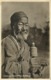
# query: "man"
15,51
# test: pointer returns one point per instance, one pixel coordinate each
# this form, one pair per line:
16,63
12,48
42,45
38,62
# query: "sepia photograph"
25,49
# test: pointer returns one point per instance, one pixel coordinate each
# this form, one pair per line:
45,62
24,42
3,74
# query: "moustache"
24,30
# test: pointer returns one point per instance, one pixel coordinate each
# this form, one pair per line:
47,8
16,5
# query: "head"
19,24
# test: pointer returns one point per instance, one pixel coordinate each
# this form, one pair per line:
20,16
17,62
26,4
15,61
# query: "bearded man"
15,50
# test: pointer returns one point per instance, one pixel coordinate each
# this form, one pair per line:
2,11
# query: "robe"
15,57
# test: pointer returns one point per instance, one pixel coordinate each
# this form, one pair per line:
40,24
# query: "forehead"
24,20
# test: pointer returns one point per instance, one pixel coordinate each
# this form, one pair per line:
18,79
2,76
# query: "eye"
26,24
20,24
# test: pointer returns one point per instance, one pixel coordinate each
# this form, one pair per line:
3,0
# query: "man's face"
23,27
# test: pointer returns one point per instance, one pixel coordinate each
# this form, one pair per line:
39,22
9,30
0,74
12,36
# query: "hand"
20,59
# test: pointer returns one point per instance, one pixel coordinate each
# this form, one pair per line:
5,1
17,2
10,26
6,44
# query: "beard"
24,34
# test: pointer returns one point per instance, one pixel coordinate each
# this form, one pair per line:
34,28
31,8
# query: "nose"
24,27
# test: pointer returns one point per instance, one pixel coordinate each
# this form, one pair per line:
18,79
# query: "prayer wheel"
33,50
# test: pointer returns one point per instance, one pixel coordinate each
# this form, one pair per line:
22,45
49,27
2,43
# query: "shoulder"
6,40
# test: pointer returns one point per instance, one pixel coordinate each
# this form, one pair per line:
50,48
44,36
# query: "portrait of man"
25,47
14,46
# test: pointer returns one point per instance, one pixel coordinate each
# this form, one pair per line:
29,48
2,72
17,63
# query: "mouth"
23,35
24,31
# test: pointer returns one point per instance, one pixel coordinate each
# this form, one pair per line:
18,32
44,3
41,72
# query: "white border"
49,24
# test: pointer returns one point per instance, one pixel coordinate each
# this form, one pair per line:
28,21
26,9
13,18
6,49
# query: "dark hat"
17,16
